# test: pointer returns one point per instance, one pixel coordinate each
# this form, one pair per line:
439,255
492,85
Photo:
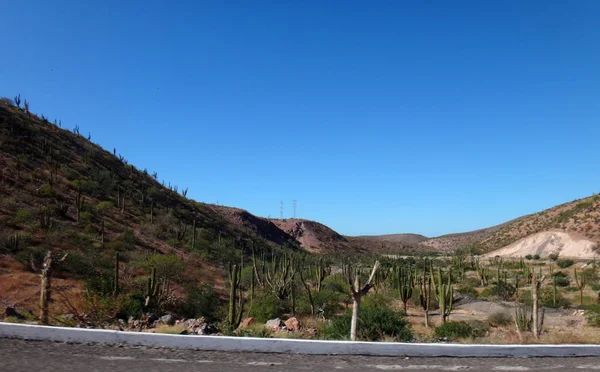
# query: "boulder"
207,329
167,319
273,324
246,322
292,324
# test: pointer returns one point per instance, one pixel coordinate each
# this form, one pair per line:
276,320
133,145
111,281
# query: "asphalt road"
28,356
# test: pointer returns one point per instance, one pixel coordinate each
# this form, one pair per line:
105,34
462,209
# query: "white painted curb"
273,345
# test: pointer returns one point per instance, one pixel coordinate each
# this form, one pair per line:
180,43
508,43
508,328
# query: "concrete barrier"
272,345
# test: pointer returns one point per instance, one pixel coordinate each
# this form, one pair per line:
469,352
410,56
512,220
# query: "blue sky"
377,117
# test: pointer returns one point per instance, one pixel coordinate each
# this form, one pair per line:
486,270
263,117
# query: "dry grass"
170,330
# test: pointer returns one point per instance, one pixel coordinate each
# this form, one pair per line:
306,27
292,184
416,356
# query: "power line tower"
281,210
294,207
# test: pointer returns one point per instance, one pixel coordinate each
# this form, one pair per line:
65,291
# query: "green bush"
375,323
592,314
529,257
547,298
536,256
563,264
201,302
562,280
499,319
454,330
265,306
104,206
479,328
467,290
500,291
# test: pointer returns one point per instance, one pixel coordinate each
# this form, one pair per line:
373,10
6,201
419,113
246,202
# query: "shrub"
453,330
201,301
265,306
547,298
375,323
593,315
553,256
499,318
467,290
500,291
562,280
479,328
104,206
563,264
529,257
536,256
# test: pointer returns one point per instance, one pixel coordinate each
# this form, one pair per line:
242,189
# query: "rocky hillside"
61,192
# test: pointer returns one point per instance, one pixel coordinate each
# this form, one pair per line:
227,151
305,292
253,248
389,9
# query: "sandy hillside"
546,243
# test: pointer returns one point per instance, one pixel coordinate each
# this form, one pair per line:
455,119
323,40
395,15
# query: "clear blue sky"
378,117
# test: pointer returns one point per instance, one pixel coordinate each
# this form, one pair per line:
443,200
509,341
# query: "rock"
246,322
151,317
273,324
68,316
167,319
292,324
207,329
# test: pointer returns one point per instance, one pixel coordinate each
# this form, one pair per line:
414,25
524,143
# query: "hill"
61,192
404,238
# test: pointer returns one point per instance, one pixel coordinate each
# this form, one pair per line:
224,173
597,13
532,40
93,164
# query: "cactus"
443,293
152,290
581,282
554,291
320,273
425,296
194,235
523,319
79,202
45,218
482,273
102,236
116,275
537,322
234,318
17,100
404,284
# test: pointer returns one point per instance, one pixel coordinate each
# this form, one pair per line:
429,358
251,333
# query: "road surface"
28,356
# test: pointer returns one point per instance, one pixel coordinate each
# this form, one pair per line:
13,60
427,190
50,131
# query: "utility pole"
281,210
294,206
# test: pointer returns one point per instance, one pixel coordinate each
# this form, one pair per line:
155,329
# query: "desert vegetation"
89,240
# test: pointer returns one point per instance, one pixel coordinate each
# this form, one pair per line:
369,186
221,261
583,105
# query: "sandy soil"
546,243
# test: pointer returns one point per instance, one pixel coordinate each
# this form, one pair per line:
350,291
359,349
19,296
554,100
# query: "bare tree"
358,292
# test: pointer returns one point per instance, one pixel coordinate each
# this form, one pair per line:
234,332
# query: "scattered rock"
246,322
292,324
167,319
207,329
273,324
151,317
68,317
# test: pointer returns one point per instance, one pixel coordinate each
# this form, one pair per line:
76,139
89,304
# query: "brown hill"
61,192
314,236
580,218
404,238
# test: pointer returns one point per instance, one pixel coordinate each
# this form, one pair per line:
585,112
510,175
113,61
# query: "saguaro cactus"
116,276
425,296
152,290
404,284
443,292
234,318
581,282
